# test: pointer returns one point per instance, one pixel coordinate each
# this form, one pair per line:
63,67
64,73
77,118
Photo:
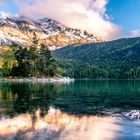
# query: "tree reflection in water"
80,98
69,111
27,97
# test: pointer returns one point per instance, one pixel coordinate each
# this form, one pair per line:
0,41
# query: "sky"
125,13
109,19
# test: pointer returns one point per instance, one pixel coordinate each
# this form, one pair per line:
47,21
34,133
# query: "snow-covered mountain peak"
21,30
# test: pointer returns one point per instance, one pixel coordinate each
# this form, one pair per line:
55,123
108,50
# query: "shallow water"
83,110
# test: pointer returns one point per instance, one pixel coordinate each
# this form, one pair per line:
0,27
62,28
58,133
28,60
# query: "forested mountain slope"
118,59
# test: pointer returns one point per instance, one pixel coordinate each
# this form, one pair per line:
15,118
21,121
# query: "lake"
80,110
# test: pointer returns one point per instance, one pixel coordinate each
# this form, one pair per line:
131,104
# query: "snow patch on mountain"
22,30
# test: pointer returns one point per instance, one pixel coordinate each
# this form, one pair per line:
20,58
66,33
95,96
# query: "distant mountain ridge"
97,52
21,31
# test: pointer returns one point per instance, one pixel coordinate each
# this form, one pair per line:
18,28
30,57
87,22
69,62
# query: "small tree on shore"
46,63
8,62
34,62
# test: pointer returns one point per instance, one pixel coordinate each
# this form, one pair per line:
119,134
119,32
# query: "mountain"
115,59
23,30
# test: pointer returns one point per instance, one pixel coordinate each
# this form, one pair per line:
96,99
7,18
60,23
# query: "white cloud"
4,14
89,15
2,2
134,33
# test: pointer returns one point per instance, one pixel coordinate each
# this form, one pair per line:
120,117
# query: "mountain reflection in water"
84,110
57,126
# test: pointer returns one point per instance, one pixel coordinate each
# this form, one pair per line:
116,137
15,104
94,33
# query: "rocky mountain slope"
23,30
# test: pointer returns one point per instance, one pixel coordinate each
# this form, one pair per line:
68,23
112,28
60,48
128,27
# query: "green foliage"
24,58
8,62
80,70
119,59
34,62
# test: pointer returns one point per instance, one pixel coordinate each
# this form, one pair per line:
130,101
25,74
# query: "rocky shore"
45,80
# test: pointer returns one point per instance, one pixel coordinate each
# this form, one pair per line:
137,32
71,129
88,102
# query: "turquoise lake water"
118,100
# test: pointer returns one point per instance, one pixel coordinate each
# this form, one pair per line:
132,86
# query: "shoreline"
39,80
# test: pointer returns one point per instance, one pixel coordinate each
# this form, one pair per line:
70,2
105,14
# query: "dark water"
79,99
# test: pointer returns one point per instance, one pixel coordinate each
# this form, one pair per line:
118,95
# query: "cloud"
2,2
89,15
4,15
134,33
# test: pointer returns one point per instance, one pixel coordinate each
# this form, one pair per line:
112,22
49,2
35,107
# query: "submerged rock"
134,114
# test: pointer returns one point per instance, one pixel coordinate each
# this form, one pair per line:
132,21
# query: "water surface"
91,110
